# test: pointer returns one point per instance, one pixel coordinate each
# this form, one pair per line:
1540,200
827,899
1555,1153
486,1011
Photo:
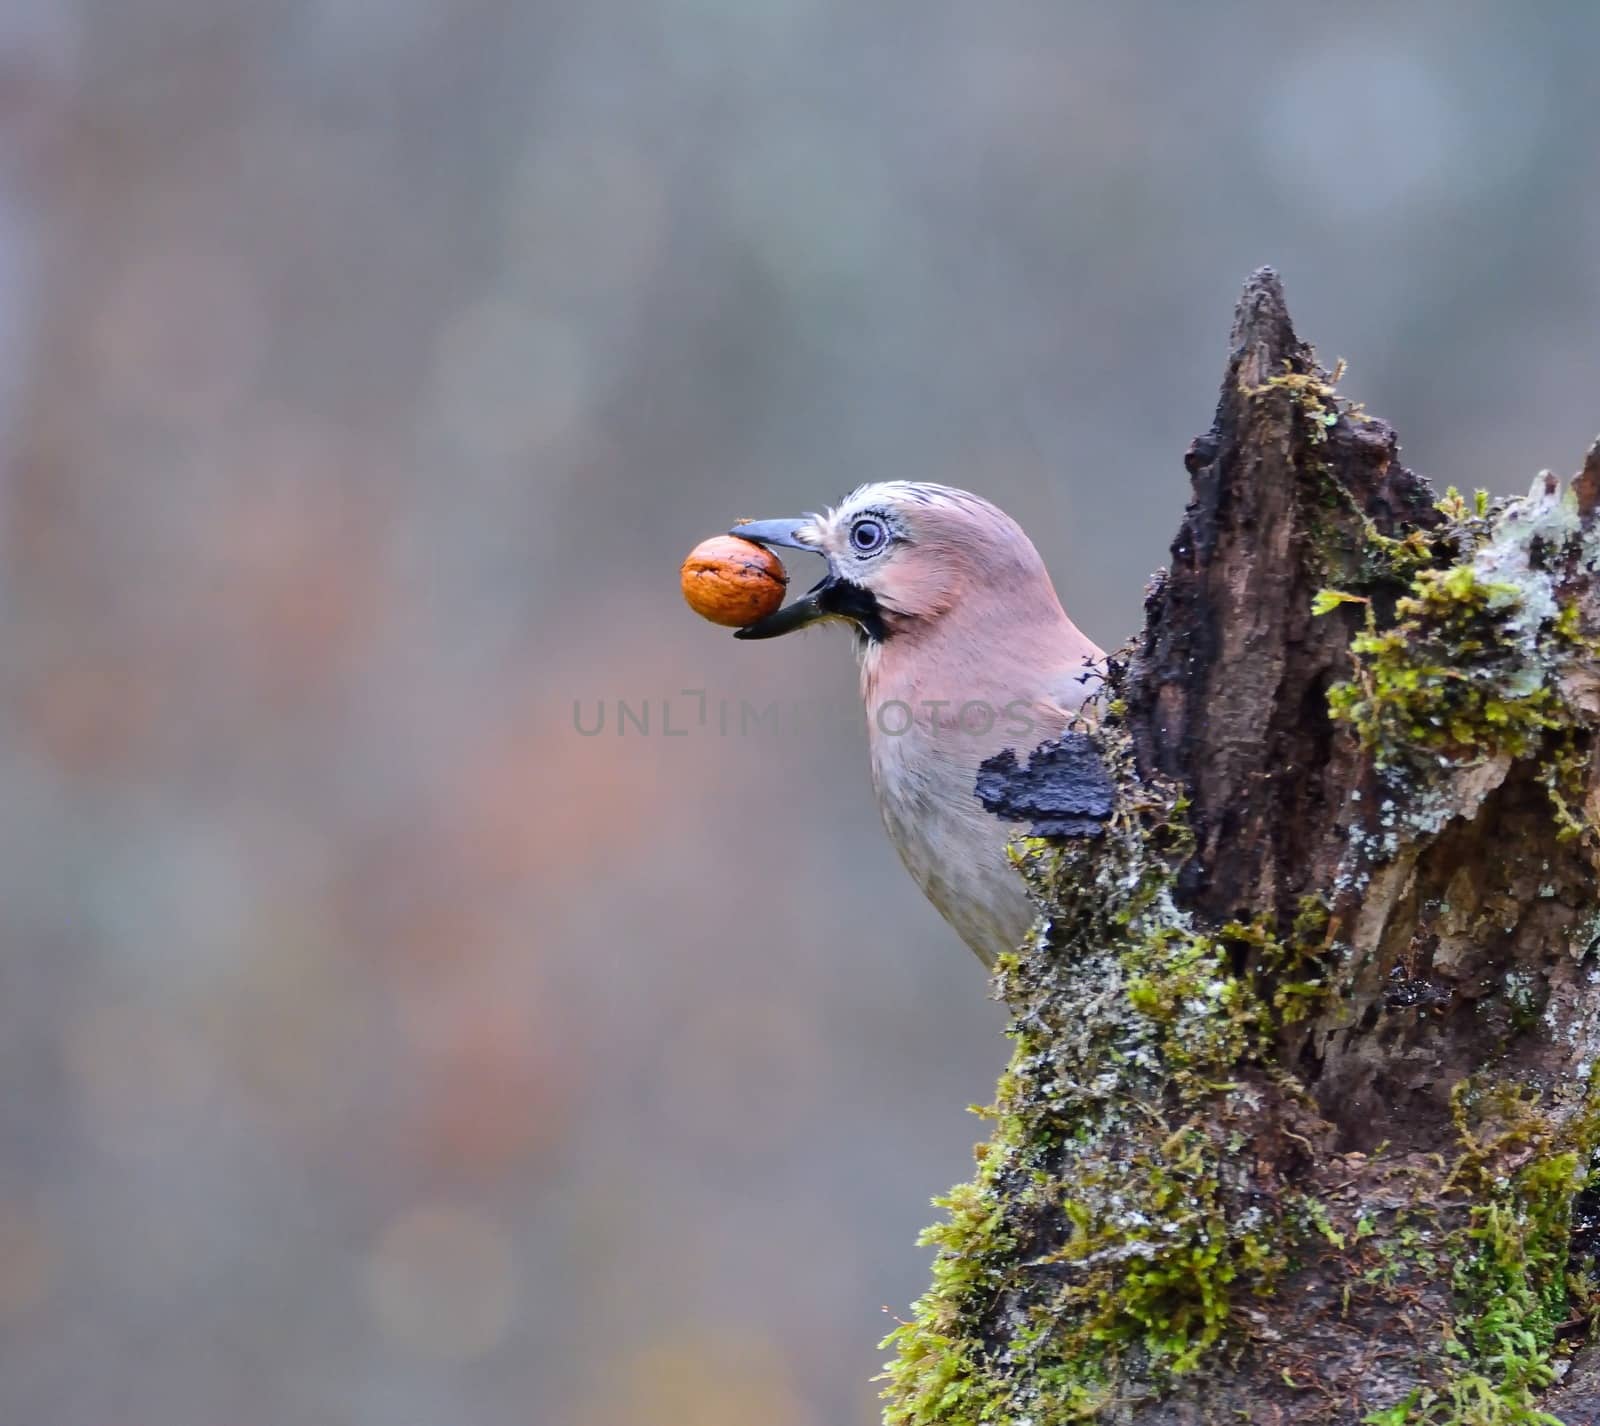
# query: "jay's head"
903,557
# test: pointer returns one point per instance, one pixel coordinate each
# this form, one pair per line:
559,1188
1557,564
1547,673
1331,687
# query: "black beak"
775,532
830,598
807,609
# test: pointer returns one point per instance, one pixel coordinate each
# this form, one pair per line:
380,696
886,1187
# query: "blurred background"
379,1048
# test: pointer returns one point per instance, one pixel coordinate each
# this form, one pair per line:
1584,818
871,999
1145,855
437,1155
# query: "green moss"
1444,679
1511,1259
1124,1217
1468,1400
936,1374
1113,1216
1315,396
1404,1245
1470,665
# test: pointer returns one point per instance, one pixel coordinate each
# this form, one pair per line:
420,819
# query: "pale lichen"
1473,670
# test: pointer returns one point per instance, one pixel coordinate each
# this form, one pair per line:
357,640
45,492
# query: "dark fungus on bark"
1063,789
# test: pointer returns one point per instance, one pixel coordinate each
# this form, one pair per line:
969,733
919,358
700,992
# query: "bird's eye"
867,536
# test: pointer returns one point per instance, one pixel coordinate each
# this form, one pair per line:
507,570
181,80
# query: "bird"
964,651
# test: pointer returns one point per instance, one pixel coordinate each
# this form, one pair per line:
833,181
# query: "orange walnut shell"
733,582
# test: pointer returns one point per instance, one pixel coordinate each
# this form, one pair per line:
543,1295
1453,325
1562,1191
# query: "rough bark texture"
1299,1126
1229,688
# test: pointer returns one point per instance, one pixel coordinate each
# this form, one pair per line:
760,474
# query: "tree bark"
1300,1124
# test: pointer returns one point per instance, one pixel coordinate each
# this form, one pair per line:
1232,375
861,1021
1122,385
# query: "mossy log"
1301,1120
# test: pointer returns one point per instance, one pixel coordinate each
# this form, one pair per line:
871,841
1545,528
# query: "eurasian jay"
965,651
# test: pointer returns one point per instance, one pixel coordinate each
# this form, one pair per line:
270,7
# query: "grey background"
378,1050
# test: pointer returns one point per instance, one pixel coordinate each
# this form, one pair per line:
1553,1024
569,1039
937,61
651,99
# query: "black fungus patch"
1405,992
1062,791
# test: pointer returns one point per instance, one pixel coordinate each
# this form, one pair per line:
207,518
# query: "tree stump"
1301,1119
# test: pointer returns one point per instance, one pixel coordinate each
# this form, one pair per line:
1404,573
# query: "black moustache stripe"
851,601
